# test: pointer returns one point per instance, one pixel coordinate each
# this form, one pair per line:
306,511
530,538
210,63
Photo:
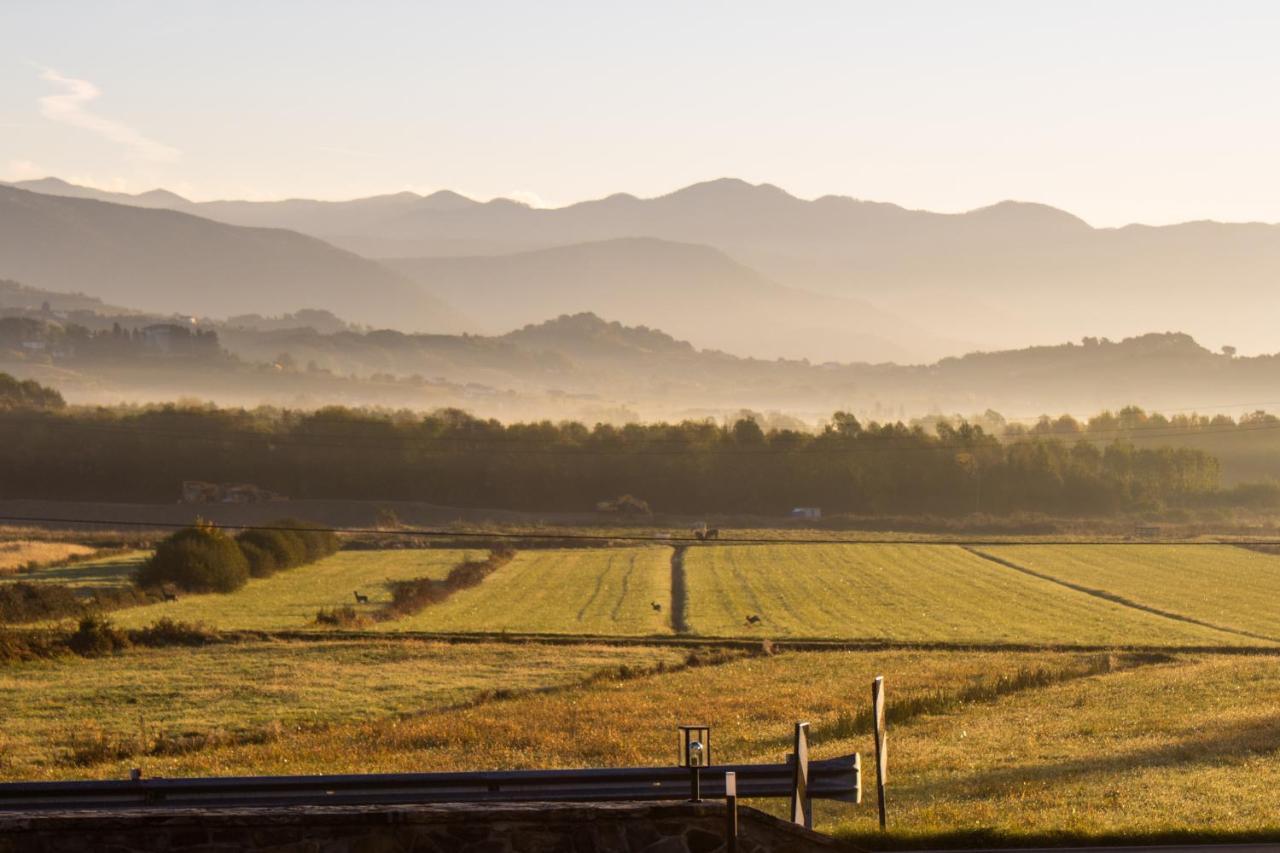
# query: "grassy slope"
918,592
1187,747
569,591
291,598
1219,584
750,703
244,690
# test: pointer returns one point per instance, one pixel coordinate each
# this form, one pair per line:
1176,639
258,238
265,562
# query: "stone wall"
666,827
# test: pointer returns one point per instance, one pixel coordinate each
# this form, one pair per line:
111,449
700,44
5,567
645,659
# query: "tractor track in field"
679,591
1117,599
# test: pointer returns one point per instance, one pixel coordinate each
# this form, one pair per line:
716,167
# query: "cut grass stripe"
1117,599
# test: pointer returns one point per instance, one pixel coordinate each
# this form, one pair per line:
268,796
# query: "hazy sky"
1119,112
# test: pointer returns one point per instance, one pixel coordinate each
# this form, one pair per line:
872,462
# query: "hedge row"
411,596
28,601
205,559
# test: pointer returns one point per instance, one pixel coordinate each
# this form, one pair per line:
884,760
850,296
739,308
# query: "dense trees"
27,394
452,458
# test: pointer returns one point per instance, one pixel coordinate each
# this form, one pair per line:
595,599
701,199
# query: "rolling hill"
691,291
166,261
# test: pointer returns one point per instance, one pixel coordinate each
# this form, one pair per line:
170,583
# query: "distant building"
809,513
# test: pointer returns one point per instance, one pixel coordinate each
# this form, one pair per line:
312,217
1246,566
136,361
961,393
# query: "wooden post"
731,812
881,734
801,808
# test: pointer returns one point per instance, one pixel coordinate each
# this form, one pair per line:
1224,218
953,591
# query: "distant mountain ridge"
167,261
692,291
1007,275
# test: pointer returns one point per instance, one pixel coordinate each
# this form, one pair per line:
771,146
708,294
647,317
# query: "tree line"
693,467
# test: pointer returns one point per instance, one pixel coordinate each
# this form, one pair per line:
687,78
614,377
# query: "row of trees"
204,558
452,458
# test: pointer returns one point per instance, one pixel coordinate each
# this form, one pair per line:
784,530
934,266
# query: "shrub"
167,632
196,559
316,542
262,563
284,548
96,636
31,602
338,617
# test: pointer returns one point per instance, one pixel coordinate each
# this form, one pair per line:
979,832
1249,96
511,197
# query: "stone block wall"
667,827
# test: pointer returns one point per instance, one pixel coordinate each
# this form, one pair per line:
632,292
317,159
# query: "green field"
936,593
1010,742
606,591
1221,585
205,696
114,570
290,599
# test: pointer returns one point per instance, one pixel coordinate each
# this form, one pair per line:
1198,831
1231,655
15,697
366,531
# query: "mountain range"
923,284
168,261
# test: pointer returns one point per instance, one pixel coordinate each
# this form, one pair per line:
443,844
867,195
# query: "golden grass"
165,698
604,591
291,598
19,553
1193,746
1219,584
939,593
1190,742
751,703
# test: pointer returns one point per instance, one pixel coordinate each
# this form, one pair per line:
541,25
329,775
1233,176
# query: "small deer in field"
361,599
169,594
656,606
753,620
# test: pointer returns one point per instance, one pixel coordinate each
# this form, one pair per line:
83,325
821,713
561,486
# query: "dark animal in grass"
699,535
361,599
656,606
753,619
713,533
169,595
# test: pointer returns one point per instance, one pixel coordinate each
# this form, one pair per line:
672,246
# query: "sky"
1120,112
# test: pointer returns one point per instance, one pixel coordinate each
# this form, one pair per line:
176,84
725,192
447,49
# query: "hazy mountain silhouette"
1011,274
161,260
691,291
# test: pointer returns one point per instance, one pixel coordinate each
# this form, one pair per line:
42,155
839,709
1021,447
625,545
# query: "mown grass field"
934,593
62,715
1222,585
605,591
1003,742
290,599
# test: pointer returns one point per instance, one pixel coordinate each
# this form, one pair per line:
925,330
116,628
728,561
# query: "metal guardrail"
832,779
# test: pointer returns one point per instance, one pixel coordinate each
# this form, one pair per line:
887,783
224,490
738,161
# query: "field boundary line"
696,641
1105,595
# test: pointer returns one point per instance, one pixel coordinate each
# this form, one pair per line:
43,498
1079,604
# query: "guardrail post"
801,807
881,736
731,812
